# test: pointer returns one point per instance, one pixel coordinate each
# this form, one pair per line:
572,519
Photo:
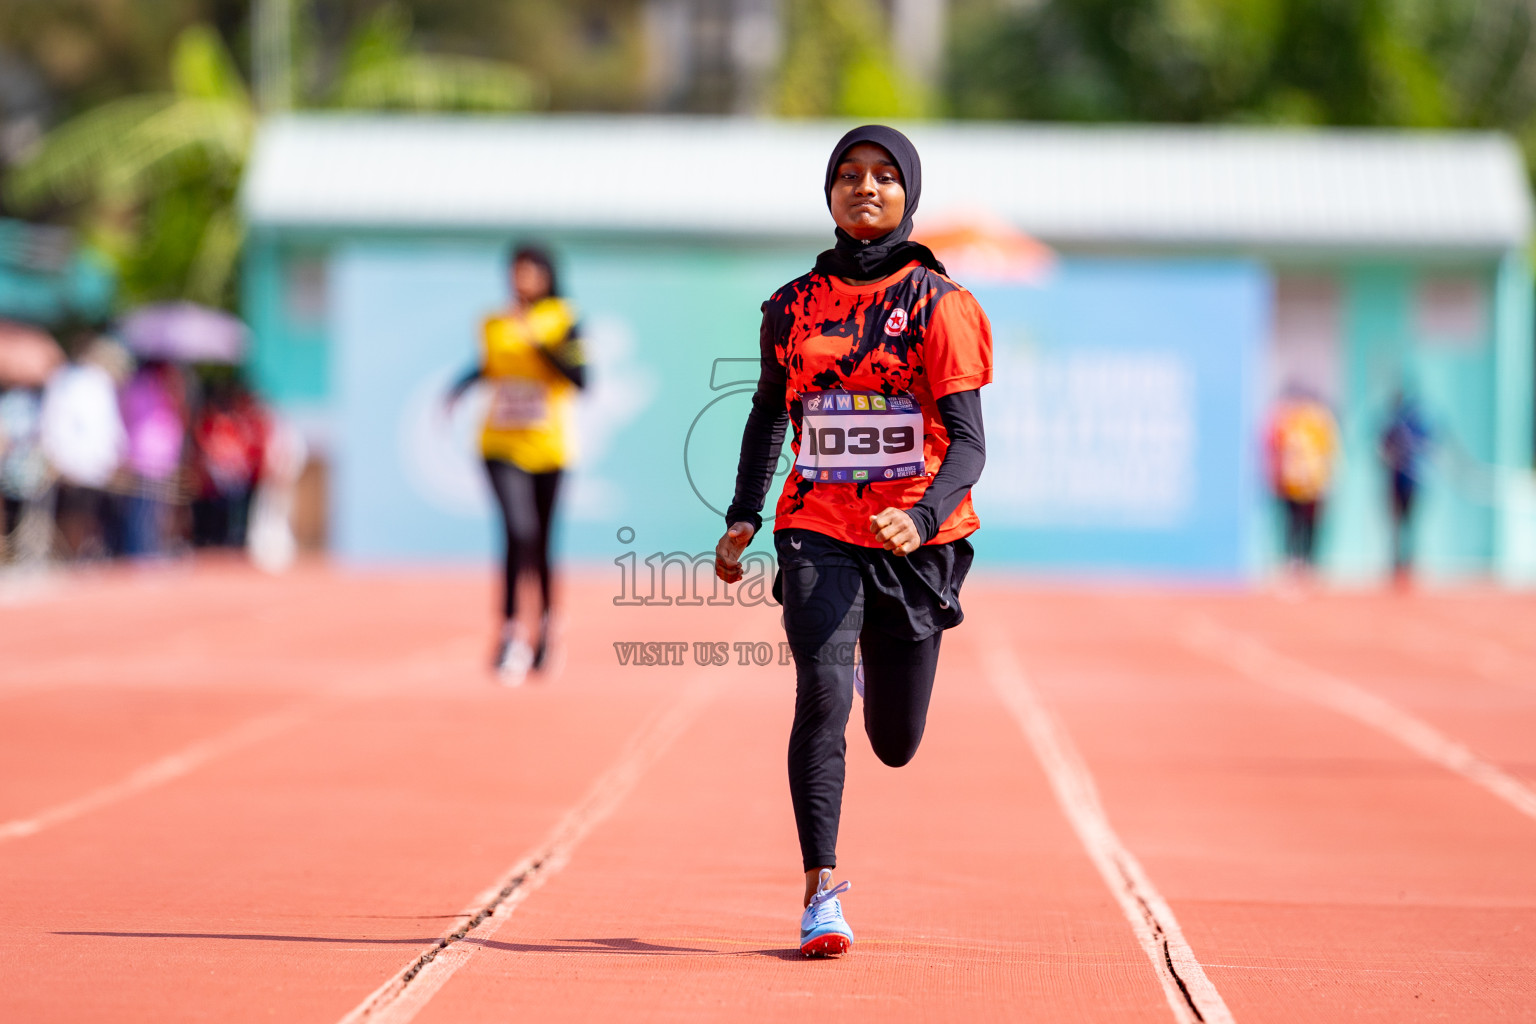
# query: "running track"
227,797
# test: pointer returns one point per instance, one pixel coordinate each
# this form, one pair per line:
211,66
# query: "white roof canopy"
749,178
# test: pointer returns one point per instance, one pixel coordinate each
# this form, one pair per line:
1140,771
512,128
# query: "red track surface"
253,799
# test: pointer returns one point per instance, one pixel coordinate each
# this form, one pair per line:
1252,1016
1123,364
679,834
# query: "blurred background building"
1234,205
1200,273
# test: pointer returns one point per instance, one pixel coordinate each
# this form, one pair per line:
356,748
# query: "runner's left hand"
894,529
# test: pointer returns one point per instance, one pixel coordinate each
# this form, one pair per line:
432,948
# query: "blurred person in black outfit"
229,439
1404,443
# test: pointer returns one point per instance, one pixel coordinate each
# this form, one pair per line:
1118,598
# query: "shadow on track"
251,937
614,946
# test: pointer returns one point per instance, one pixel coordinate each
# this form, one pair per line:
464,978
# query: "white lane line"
1191,995
1264,665
403,996
157,773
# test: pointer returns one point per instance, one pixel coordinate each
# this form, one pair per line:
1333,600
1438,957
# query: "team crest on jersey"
897,322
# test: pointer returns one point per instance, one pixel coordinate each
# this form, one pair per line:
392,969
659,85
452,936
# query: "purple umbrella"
184,332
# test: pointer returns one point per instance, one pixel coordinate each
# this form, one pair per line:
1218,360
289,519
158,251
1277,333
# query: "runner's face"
530,281
868,199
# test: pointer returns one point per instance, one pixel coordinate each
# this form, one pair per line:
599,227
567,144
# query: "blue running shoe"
823,932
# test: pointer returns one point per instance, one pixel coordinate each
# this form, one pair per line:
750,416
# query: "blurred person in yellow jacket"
532,363
1303,446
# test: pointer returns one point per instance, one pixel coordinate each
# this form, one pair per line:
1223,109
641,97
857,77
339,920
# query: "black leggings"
1403,487
823,616
527,503
1300,530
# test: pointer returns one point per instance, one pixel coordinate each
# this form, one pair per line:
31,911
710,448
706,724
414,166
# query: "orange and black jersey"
916,333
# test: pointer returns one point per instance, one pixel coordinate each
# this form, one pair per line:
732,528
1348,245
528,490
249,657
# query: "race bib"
859,437
518,403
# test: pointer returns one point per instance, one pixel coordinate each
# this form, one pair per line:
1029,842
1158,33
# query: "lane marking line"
1262,664
1190,994
158,773
405,994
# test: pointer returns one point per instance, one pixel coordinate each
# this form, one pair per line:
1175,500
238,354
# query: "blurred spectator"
271,540
1303,444
153,406
83,437
1405,442
228,439
24,476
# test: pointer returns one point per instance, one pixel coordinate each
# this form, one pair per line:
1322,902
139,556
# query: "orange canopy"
981,247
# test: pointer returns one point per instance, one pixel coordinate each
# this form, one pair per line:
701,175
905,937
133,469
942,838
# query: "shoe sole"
826,945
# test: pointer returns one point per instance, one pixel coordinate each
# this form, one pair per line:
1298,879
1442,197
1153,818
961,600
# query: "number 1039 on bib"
850,437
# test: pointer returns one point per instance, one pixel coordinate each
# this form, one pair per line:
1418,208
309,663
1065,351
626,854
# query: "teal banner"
1121,430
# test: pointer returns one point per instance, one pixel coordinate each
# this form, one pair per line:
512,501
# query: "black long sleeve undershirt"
767,423
962,465
566,358
463,384
761,441
559,356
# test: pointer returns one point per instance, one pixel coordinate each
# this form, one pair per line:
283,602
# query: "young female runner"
533,361
876,359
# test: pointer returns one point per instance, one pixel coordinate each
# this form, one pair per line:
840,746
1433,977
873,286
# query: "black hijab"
880,257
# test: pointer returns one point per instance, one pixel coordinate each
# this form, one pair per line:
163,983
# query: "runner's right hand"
728,551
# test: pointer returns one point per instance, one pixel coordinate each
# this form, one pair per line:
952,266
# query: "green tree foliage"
581,54
584,54
154,177
1404,63
837,62
91,51
381,70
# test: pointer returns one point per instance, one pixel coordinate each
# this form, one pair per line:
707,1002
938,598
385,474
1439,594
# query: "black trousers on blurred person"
1404,489
527,502
1300,531
220,520
86,517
